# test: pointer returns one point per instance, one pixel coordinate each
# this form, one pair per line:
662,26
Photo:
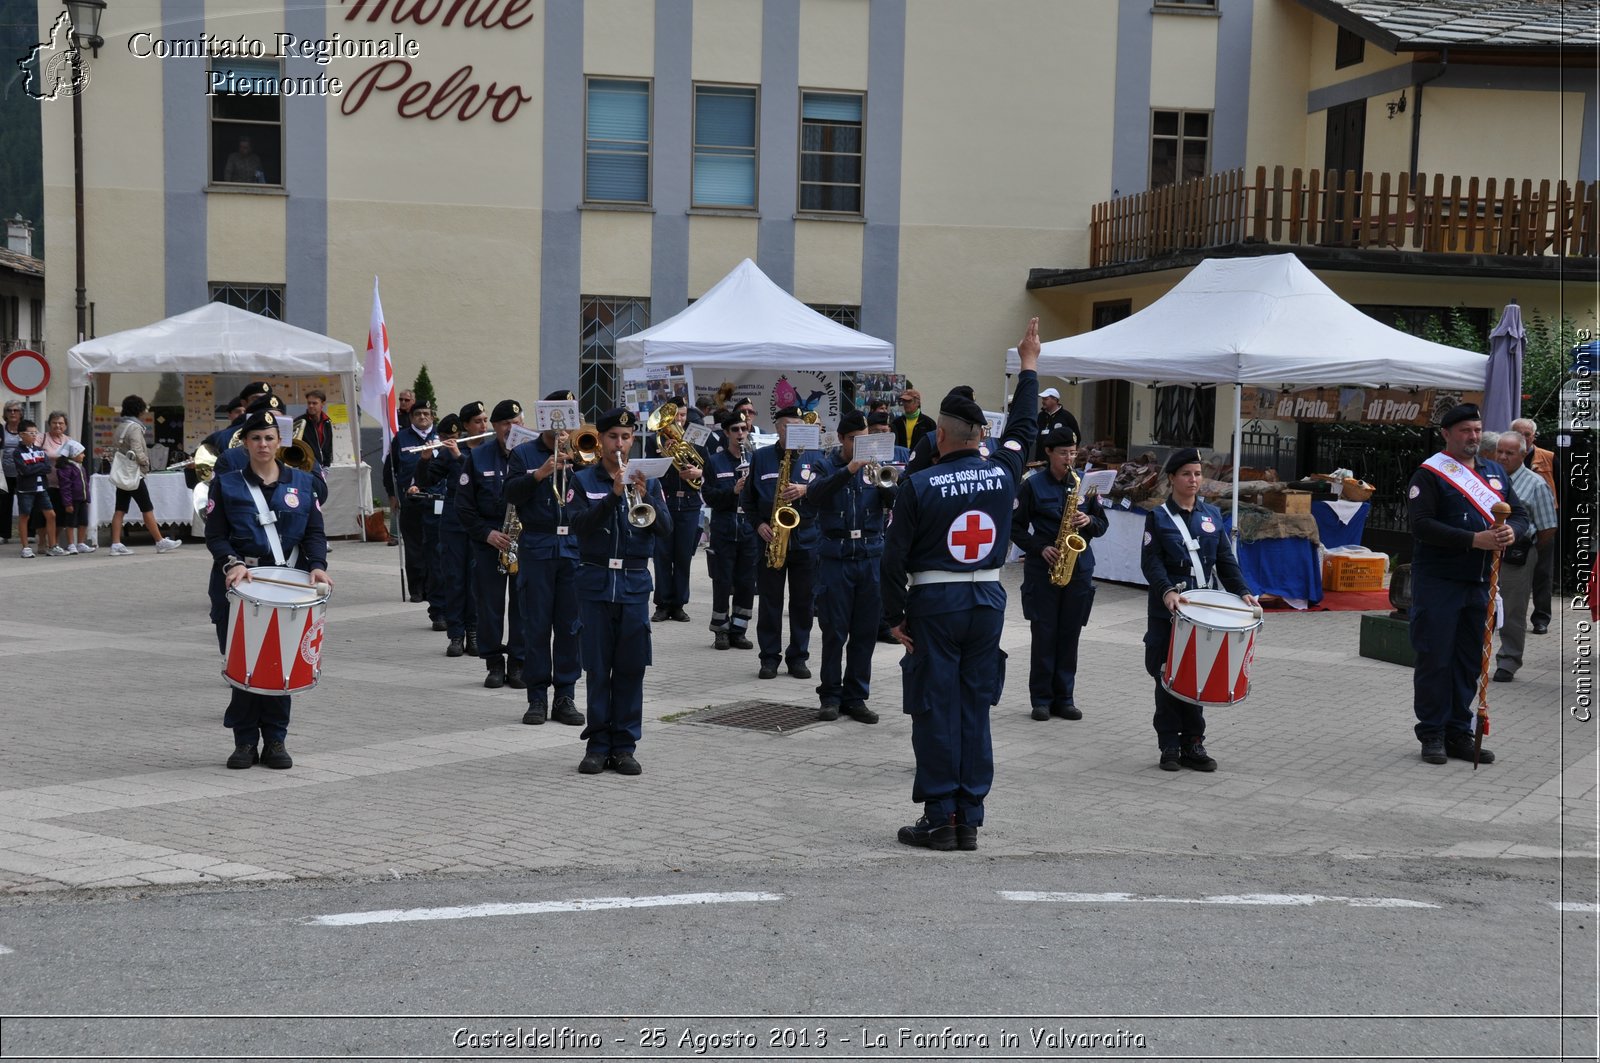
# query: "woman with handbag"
130,462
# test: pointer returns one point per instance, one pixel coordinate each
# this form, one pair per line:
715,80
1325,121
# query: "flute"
442,442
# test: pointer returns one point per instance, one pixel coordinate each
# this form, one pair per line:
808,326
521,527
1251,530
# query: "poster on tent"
645,389
1399,406
199,409
773,389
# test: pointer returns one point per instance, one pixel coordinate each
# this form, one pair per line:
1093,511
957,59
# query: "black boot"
472,643
1194,756
566,711
514,678
925,834
243,756
720,642
274,755
497,673
455,649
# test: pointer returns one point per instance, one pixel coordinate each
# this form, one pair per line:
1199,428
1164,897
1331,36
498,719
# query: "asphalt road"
940,957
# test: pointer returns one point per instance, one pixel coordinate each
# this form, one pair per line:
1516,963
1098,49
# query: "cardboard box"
1354,572
1288,501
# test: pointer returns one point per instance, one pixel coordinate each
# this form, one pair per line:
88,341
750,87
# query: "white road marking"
590,904
1574,906
1292,900
3,950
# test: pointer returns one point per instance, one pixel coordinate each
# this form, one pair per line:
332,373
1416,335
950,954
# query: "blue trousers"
674,555
616,651
550,625
252,716
435,567
950,682
1056,616
495,637
1176,721
732,555
798,573
848,607
1447,623
455,571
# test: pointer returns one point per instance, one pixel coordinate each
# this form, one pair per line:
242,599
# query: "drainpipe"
1416,110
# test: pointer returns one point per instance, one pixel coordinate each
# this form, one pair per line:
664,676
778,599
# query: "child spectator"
74,506
33,465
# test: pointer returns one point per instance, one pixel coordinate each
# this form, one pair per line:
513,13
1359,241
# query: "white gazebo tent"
1266,321
745,321
216,338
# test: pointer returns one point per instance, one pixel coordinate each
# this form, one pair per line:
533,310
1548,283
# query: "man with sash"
1451,511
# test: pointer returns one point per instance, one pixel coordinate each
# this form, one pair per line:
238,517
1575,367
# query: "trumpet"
641,514
441,442
881,475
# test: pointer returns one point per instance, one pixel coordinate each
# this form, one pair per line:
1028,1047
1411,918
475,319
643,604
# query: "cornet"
641,514
881,475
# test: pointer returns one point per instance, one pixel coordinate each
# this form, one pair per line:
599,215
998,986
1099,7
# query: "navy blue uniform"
547,554
233,529
949,533
430,500
799,571
613,601
237,459
1165,562
1450,596
400,474
734,547
850,514
443,472
221,440
1057,614
674,555
481,508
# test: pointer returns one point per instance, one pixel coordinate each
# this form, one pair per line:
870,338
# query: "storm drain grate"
773,716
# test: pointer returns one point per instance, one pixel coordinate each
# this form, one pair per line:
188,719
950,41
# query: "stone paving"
111,772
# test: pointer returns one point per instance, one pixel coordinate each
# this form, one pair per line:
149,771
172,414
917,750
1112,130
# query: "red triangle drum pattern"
1206,664
274,635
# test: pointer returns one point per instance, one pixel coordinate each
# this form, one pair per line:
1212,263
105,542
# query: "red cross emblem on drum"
971,536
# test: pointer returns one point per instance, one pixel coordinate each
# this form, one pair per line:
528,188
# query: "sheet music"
804,437
696,435
653,468
556,416
878,447
520,434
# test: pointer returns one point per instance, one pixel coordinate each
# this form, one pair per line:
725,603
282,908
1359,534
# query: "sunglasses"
740,428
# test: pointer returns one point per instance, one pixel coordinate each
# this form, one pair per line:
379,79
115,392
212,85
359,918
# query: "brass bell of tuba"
298,455
585,444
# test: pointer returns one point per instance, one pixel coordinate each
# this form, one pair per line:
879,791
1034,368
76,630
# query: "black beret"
622,417
421,407
506,410
964,390
562,395
469,411
1466,411
851,421
258,420
878,418
258,387
731,418
1058,436
962,407
1179,458
449,424
787,411
265,402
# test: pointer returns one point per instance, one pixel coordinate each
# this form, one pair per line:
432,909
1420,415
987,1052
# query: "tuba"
785,518
664,422
1069,544
298,455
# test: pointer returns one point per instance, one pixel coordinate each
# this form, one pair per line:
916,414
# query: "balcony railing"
1344,209
7,346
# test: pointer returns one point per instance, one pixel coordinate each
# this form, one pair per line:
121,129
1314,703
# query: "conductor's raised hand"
1028,346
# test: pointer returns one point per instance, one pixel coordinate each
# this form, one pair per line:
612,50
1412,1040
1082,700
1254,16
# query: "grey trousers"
1516,587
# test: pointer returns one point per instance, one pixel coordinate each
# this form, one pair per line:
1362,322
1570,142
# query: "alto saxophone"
511,528
1069,544
785,518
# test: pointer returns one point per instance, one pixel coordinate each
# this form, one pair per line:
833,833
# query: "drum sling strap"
268,521
1190,543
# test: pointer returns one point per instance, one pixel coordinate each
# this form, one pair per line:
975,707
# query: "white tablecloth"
348,486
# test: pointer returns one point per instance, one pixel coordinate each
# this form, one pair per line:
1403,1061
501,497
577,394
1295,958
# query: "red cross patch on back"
971,536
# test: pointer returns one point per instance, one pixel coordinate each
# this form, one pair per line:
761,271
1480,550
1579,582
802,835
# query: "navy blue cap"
469,411
1465,411
506,410
1179,458
851,421
621,417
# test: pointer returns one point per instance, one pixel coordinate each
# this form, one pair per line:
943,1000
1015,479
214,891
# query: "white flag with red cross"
377,374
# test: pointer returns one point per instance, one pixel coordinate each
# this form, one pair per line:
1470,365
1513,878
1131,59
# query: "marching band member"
799,569
734,544
481,508
237,457
615,545
548,568
675,555
1057,614
221,440
1184,549
403,464
878,421
850,512
239,537
948,537
442,475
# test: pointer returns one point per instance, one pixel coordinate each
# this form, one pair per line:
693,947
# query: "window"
616,149
605,319
36,330
263,299
844,313
1180,146
724,147
1185,416
246,123
830,152
1348,50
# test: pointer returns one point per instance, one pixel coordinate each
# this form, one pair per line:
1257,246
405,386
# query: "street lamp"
85,15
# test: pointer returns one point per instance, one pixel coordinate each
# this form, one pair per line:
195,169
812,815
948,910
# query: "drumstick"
1253,610
282,583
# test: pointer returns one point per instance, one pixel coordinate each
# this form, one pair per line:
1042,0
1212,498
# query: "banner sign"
1422,406
773,389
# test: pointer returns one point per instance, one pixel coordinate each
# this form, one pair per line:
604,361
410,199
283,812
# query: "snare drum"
275,632
1212,646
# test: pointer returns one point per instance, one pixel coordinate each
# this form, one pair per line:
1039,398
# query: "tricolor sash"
1467,481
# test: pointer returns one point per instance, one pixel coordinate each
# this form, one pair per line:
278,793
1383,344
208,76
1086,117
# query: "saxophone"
1069,544
511,528
785,518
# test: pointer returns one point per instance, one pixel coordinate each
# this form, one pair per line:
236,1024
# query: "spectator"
32,491
315,428
1519,564
73,491
128,438
57,445
244,166
13,419
1542,462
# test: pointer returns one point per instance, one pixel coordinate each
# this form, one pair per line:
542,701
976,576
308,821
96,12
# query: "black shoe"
927,836
720,642
440,625
1169,760
767,672
243,756
275,756
1433,751
535,714
1540,629
566,711
624,764
472,644
966,838
592,764
739,642
679,615
1461,749
514,678
659,615
497,674
1502,675
800,671
830,711
415,597
857,710
1041,712
455,649
1194,756
1069,711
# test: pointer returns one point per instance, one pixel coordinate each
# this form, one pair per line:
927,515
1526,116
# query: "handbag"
125,474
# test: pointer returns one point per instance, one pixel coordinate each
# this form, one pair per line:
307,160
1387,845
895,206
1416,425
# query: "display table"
1289,568
1340,523
173,500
